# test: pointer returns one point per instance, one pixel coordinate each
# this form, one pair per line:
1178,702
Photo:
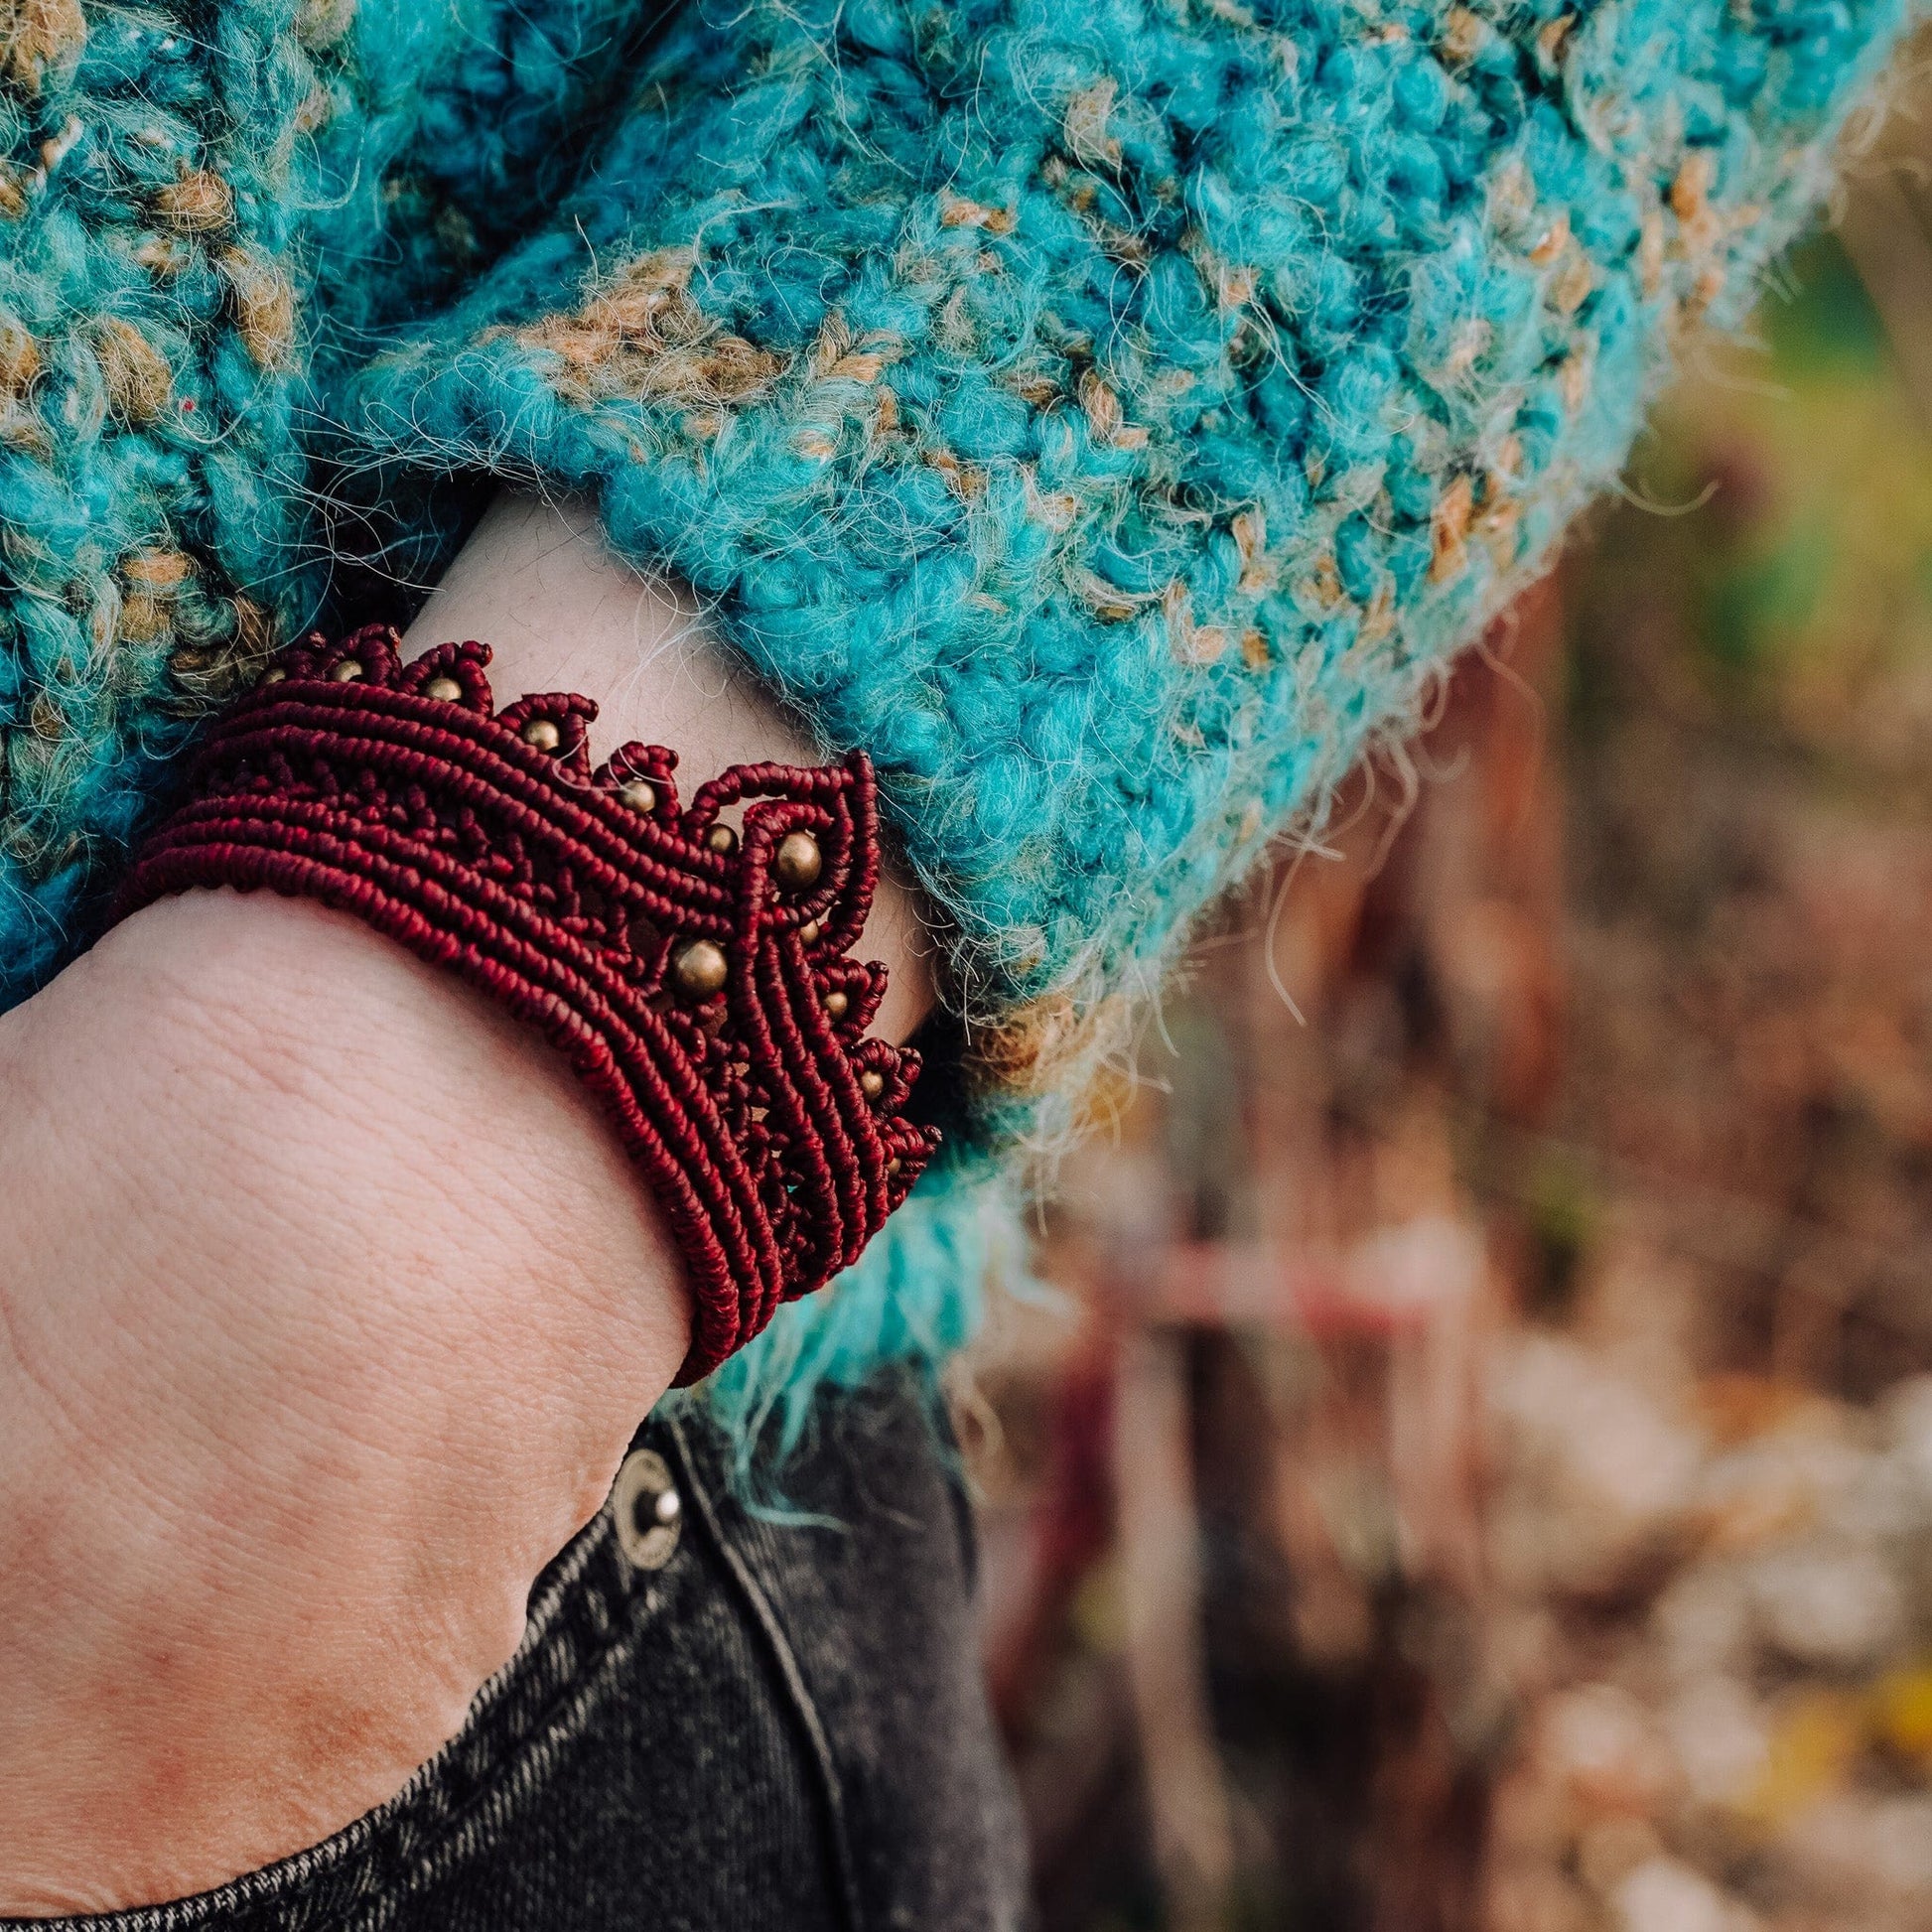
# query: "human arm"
1110,424
333,1310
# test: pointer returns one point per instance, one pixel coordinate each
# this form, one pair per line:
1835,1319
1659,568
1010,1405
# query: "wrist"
560,612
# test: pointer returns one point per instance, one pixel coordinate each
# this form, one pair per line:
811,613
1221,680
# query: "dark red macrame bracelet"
695,976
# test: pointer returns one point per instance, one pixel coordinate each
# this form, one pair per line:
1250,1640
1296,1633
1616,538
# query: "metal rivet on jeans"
649,1511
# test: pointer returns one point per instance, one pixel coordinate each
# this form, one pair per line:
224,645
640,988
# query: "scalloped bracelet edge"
696,976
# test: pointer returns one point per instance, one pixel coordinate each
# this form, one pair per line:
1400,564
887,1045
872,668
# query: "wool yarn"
1109,418
151,480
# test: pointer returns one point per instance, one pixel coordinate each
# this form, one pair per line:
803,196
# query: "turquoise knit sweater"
1109,415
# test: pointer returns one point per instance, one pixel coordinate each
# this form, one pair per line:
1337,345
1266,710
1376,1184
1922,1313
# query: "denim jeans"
717,1718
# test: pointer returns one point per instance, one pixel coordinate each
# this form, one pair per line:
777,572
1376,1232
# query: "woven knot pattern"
769,1126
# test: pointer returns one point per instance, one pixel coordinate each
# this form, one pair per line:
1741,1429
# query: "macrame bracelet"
694,975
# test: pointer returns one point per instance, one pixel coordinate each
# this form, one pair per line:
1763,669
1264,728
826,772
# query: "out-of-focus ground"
1478,1469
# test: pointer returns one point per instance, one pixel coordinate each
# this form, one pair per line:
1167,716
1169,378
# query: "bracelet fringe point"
694,970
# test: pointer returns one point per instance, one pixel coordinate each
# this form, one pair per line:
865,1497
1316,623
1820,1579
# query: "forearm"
336,1308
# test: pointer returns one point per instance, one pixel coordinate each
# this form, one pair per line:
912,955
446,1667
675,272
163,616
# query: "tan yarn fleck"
20,361
1258,571
158,570
1449,529
956,211
197,204
37,33
641,335
264,304
1085,125
322,23
140,384
835,357
1101,407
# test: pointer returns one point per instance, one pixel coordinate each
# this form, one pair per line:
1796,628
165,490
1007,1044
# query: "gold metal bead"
871,1083
892,1166
808,934
544,733
700,968
274,676
722,840
799,862
348,671
836,1003
639,794
447,689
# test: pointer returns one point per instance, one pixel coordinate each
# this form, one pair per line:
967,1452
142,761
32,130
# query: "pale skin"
329,1307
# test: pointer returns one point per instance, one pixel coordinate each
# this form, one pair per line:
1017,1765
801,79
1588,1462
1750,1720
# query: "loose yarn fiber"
1106,417
151,477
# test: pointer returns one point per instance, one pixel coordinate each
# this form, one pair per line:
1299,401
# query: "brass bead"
544,733
871,1083
892,1166
722,840
274,676
639,794
836,1003
447,689
700,968
808,934
799,862
346,673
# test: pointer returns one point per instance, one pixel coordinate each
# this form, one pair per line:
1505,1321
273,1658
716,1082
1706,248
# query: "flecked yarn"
1109,417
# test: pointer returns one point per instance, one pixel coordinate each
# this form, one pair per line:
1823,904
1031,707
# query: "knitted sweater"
1108,416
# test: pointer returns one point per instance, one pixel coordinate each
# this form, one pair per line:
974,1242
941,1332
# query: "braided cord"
701,990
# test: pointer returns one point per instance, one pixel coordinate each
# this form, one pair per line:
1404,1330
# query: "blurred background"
1473,1466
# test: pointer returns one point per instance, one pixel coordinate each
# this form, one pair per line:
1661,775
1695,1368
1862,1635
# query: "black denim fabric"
783,1726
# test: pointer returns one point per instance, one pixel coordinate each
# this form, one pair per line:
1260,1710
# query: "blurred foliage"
1779,523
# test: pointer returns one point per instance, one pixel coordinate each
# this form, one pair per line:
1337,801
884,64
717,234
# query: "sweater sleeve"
151,475
1110,417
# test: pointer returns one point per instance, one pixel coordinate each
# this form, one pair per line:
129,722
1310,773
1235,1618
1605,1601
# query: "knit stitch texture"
1108,417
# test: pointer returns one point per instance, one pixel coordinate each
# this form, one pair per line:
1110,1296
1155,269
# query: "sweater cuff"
1109,424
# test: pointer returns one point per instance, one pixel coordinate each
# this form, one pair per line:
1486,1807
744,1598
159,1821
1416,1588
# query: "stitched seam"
804,1706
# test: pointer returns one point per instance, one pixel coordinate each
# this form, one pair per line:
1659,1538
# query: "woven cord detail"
770,1127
